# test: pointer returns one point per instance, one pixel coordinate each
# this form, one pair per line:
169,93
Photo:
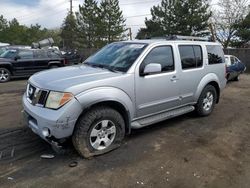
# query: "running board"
161,117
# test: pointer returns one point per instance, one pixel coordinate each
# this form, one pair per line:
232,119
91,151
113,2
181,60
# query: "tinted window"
215,54
162,55
191,56
40,54
26,54
233,61
9,54
54,54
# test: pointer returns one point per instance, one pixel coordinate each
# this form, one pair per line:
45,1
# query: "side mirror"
151,69
17,57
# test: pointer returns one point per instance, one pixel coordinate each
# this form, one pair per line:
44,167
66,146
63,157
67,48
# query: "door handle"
174,78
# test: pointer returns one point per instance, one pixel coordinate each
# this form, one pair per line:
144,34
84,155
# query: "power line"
138,16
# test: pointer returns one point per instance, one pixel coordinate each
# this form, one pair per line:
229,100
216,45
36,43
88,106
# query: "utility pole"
71,7
130,33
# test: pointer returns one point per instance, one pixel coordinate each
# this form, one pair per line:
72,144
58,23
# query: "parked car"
16,62
72,57
234,67
126,85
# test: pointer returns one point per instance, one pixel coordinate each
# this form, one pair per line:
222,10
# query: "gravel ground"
184,152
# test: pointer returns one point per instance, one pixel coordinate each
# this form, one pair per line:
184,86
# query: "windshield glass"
8,54
116,56
227,60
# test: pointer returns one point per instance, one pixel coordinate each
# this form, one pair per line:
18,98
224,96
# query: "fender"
8,65
211,77
103,94
55,63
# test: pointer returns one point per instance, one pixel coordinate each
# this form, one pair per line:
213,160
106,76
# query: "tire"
53,66
206,103
237,78
5,75
95,134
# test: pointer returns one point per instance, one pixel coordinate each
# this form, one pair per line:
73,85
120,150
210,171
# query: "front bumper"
60,122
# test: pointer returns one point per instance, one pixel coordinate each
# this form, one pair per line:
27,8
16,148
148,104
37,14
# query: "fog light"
46,132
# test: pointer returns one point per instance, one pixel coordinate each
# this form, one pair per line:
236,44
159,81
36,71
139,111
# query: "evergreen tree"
183,17
112,22
69,32
88,22
243,32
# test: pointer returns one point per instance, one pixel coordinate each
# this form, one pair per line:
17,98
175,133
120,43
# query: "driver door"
24,64
158,91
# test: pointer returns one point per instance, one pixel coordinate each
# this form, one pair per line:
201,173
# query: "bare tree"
226,18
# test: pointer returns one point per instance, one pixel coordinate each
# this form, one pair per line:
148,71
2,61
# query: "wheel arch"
210,79
7,66
111,97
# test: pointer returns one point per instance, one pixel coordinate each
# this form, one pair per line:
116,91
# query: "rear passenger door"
192,71
41,60
159,91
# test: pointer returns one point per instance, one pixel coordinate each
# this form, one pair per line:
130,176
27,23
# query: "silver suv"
124,86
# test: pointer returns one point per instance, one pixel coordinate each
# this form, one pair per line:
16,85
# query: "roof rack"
179,37
192,38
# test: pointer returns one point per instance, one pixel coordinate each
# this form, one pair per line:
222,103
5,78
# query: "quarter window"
191,56
27,54
162,55
215,54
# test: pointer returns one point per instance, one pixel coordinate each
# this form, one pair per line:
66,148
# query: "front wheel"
4,75
99,131
206,101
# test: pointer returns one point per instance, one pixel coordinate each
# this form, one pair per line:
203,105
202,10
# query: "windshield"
116,56
227,60
8,54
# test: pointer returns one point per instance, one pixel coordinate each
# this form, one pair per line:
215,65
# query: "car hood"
70,79
4,59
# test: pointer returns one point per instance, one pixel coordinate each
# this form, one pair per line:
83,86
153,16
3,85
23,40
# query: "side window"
162,55
215,54
40,54
191,56
26,54
54,54
233,60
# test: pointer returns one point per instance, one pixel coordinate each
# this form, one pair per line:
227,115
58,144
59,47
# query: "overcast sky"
50,13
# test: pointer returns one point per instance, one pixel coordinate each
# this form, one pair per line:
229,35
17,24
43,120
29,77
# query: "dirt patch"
182,152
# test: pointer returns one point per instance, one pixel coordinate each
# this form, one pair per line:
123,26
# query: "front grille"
43,98
36,96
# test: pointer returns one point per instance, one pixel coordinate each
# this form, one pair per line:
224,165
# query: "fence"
242,53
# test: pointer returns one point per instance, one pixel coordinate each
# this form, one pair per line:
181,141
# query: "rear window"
215,54
191,56
54,54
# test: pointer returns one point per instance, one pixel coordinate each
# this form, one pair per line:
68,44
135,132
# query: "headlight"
57,99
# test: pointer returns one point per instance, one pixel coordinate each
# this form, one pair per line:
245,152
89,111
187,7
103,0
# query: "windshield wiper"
102,66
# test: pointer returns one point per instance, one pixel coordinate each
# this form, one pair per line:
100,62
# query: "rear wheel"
99,131
237,78
4,75
53,66
206,101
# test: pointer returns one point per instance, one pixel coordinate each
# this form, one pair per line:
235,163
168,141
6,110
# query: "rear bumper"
60,123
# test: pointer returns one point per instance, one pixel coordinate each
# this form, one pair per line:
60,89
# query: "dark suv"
16,62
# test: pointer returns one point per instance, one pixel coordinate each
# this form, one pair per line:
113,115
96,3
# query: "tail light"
65,61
